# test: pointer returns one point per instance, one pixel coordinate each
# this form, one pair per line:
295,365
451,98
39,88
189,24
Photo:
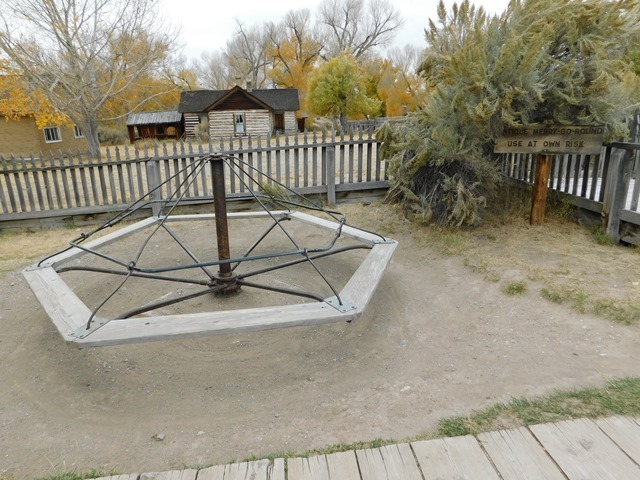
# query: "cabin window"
238,119
77,132
52,134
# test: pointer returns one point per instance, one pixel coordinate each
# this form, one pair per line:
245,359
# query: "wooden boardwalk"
581,449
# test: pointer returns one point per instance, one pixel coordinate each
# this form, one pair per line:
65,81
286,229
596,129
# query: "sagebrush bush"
541,61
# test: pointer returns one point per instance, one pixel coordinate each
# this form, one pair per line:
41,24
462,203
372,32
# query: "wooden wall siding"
221,124
191,121
256,122
290,122
238,101
72,184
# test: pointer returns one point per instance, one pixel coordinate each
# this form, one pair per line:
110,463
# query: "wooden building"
240,112
158,125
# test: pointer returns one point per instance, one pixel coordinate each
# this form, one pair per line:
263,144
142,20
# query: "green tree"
561,61
338,88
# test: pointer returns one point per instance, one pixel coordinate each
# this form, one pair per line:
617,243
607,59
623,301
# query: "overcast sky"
206,25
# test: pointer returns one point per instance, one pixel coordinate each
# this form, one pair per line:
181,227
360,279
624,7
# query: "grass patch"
626,314
575,297
515,288
619,397
448,242
77,475
600,235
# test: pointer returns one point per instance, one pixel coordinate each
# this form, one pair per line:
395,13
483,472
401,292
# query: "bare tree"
83,53
246,55
407,59
213,71
356,26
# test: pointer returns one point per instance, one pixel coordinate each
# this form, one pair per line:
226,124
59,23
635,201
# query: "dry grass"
18,250
561,261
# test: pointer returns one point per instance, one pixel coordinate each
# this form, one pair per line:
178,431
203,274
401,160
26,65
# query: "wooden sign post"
545,141
540,188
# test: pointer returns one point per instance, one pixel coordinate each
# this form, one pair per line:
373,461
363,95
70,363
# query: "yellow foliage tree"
294,51
18,99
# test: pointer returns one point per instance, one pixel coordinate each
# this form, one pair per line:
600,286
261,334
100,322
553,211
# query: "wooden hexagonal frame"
70,314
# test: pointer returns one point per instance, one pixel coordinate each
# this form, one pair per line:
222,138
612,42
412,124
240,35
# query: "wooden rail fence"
76,184
608,184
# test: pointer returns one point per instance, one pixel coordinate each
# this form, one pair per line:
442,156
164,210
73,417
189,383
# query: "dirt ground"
439,338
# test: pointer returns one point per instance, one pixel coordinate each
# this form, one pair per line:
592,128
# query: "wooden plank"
540,187
73,253
258,470
27,185
347,231
351,162
616,194
329,173
38,186
625,432
458,458
635,195
518,456
212,473
19,187
277,470
132,476
343,465
189,474
362,285
166,327
310,468
582,450
287,164
230,215
65,309
369,161
388,463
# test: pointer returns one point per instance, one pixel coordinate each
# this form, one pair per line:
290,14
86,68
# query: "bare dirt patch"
440,338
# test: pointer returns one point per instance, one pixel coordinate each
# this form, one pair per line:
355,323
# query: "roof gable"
196,101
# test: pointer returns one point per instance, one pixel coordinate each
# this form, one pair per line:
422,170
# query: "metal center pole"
222,228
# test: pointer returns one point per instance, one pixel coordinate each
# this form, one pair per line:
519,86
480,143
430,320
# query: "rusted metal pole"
540,188
220,209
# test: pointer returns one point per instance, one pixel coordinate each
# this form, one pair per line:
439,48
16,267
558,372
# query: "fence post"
153,183
331,174
540,188
615,193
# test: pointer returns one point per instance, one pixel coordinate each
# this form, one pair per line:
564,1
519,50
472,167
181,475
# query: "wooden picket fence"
34,187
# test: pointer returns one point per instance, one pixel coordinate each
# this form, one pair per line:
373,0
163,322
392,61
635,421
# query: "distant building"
240,112
22,136
158,125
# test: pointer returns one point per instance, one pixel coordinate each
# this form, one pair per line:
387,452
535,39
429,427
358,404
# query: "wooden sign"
550,139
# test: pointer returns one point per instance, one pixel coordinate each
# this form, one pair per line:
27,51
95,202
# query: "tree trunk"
90,129
343,122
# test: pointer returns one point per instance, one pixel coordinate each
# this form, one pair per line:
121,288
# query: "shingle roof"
195,101
148,118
